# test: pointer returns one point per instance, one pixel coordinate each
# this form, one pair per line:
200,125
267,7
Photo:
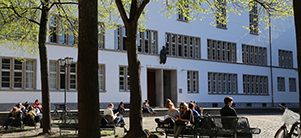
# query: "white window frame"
182,46
285,58
101,77
24,79
255,85
101,36
254,55
253,17
222,83
72,80
221,51
147,41
192,82
53,75
281,84
57,36
292,85
221,12
124,74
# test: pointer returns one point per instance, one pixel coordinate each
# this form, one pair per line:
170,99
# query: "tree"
131,25
20,25
191,10
88,92
297,15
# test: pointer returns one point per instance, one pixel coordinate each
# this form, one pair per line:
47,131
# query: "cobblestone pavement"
267,123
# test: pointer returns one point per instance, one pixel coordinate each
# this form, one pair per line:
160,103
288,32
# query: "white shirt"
109,111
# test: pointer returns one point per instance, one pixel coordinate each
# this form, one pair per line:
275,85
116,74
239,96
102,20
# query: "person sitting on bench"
227,110
114,117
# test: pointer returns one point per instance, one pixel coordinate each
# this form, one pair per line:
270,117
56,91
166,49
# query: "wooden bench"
215,126
106,123
68,123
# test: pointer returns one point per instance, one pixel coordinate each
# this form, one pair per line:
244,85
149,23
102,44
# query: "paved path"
267,123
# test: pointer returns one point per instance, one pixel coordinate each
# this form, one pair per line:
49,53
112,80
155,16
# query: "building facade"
204,63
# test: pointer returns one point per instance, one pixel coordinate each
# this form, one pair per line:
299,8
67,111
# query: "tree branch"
55,3
141,8
122,11
20,16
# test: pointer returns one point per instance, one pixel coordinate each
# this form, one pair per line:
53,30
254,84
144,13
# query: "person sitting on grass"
13,116
114,117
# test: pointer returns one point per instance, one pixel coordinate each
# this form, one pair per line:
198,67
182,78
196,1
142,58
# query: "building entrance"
161,85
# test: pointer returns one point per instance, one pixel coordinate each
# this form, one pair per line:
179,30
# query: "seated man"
116,119
227,110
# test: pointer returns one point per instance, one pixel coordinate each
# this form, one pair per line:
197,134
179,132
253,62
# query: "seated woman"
20,107
13,116
120,109
186,116
37,103
170,118
147,108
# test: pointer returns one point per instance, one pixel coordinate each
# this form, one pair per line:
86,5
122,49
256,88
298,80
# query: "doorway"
161,85
151,87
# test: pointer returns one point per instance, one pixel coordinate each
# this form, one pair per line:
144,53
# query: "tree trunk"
88,93
297,14
44,68
136,129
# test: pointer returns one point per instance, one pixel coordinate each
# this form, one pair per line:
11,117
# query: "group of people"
179,118
25,113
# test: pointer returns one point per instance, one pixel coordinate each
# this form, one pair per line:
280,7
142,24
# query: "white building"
205,63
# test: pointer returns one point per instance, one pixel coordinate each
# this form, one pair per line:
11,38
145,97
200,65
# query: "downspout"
271,63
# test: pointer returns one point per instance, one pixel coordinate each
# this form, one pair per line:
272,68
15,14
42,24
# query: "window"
58,82
120,38
182,46
222,83
292,85
72,77
182,12
101,78
192,82
124,78
255,85
53,75
281,84
285,59
53,30
16,74
147,42
101,36
221,51
221,14
254,55
29,75
58,35
253,17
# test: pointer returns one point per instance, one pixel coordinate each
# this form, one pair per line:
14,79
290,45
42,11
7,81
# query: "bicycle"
291,122
56,115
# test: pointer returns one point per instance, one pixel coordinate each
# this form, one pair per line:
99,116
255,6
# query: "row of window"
281,84
221,15
21,75
181,46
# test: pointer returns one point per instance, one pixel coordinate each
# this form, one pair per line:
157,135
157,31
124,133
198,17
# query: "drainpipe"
271,63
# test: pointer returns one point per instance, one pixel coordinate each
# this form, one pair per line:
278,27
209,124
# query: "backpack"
207,122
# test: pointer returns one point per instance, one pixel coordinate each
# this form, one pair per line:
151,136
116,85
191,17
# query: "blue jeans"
7,120
119,120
